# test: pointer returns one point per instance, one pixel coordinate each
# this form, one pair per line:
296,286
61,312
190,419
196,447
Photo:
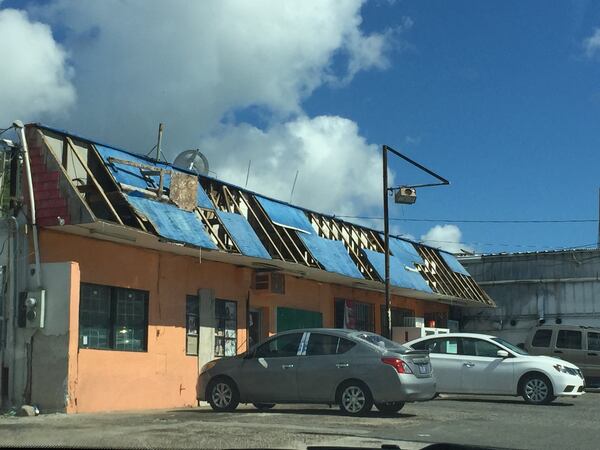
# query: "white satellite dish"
192,160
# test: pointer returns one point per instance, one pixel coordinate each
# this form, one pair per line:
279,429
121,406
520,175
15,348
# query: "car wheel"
223,395
536,389
389,407
355,398
263,406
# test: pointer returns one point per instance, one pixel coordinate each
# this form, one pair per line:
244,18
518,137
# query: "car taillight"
398,364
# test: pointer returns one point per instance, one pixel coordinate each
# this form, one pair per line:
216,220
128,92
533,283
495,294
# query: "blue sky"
501,98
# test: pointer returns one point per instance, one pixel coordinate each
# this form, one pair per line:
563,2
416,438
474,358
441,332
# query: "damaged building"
123,275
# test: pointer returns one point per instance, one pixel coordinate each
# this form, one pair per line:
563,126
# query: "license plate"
423,369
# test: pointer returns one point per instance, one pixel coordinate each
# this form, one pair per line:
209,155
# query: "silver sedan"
350,368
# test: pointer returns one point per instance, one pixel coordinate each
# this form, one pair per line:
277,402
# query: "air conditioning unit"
405,334
418,322
406,195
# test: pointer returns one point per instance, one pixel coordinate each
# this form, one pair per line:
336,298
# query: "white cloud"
192,65
446,237
338,171
189,64
35,79
591,45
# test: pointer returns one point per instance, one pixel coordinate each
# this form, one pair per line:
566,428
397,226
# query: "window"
541,338
439,318
324,344
282,346
353,315
113,318
192,316
478,347
593,341
569,339
225,328
445,345
381,342
398,316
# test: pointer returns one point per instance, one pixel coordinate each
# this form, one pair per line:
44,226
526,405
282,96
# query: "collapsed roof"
88,188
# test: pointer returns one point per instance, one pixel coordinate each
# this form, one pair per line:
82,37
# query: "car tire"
222,394
389,407
263,406
355,398
536,389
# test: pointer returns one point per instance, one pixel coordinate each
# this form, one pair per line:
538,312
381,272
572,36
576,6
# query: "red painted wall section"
50,205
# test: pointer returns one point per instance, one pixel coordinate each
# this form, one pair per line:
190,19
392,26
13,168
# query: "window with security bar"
398,315
354,315
113,318
192,325
225,328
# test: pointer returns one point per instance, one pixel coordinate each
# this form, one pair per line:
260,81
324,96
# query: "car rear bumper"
408,388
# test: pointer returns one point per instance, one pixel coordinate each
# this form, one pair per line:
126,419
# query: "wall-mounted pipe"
36,248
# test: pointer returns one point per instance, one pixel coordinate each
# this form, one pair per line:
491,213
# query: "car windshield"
510,346
382,342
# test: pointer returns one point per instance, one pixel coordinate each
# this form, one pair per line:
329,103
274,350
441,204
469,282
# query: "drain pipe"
36,248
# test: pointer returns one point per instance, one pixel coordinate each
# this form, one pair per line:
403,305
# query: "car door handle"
557,351
342,365
469,364
592,354
287,366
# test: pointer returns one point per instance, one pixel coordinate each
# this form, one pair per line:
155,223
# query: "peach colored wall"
162,377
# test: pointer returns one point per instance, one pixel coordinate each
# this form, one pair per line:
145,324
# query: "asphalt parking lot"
505,422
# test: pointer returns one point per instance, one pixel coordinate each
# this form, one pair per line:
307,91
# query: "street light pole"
387,326
386,231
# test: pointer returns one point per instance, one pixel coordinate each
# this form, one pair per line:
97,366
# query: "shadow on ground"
497,400
295,411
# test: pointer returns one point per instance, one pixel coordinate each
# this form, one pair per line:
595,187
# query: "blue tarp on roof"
405,251
285,215
132,176
453,263
332,255
399,275
171,222
244,236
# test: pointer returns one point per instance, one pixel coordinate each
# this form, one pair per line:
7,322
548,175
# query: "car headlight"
208,366
563,369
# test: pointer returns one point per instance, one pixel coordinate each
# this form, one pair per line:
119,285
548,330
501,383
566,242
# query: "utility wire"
406,219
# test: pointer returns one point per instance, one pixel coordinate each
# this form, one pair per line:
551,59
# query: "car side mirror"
502,354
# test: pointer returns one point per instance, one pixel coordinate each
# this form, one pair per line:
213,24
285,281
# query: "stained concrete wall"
50,344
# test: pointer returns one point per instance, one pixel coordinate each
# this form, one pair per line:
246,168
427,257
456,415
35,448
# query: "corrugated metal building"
529,288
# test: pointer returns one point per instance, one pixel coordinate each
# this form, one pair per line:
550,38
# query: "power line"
497,244
410,219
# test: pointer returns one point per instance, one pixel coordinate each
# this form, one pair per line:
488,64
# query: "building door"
254,328
294,319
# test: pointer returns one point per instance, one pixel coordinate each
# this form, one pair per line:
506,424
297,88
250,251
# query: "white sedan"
467,363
